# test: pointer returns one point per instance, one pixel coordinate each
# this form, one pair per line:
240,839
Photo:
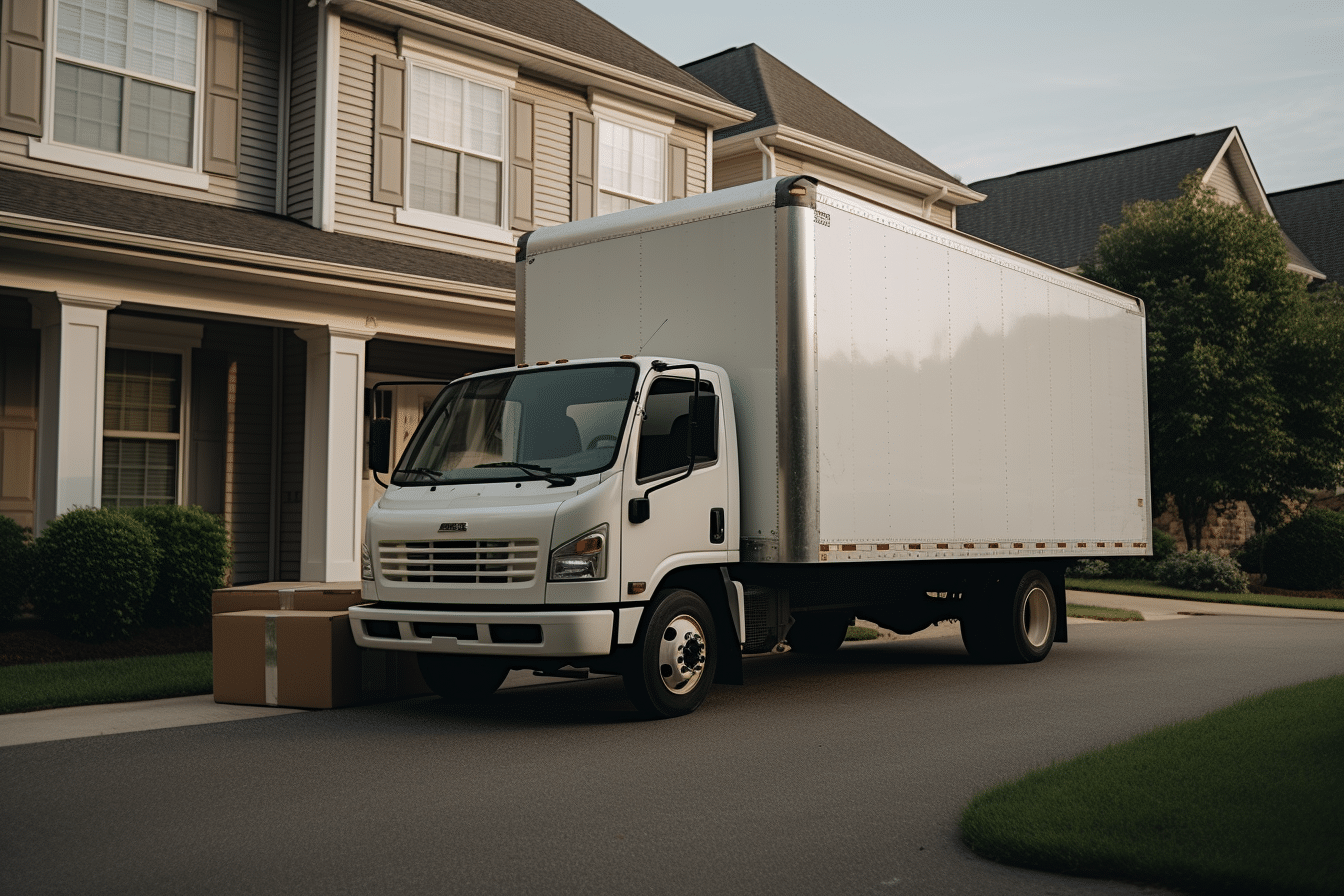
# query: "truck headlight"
365,563
581,558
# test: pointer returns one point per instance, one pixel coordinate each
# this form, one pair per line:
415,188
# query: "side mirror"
380,444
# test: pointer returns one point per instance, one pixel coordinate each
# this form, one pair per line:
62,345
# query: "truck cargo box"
903,391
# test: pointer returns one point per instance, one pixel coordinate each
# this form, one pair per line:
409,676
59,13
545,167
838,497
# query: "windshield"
552,423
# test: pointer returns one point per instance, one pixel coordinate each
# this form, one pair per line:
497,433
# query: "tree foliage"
1245,366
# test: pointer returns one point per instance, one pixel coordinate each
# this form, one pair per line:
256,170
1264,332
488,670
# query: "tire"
1012,627
817,633
461,679
674,660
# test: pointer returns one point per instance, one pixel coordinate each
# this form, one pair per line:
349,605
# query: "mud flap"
730,650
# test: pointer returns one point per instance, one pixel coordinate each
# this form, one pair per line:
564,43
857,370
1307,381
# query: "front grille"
459,562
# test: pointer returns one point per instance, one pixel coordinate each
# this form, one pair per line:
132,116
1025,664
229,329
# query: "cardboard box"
305,659
288,596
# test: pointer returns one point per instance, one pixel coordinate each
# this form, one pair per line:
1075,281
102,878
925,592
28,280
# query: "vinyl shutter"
676,174
389,130
223,95
522,156
582,166
22,44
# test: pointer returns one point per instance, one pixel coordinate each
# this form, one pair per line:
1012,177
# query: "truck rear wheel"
675,659
461,679
1016,627
819,632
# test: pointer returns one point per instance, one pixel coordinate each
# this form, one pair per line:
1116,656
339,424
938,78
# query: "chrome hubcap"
1036,614
681,654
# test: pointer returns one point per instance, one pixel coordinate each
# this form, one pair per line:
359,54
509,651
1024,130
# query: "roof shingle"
1314,217
755,80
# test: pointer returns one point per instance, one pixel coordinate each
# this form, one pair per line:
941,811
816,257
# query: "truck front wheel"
1018,626
675,659
461,679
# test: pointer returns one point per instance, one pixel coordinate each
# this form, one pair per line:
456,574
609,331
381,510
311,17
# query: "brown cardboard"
287,596
317,664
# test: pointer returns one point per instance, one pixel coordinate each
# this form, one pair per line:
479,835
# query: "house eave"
794,140
546,59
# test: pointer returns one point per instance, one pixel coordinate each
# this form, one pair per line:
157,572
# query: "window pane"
607,203
480,189
631,161
137,472
160,123
142,391
88,108
436,107
163,41
484,120
95,30
646,165
433,179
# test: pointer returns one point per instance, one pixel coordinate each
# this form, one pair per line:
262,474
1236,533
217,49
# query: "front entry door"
687,516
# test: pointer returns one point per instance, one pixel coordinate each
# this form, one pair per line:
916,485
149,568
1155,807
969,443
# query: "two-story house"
221,221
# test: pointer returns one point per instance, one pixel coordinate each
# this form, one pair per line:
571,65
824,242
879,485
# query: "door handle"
716,533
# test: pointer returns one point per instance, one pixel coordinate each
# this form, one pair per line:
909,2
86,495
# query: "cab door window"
667,426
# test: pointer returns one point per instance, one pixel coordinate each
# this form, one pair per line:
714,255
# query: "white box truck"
745,418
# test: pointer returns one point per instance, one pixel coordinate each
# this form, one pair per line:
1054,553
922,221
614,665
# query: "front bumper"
543,633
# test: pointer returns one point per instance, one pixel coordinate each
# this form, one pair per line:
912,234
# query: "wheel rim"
681,655
1036,613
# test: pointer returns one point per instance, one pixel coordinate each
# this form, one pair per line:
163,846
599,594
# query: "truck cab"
539,512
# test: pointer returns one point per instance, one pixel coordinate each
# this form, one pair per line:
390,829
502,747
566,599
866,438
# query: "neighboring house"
221,221
1055,213
801,129
1314,218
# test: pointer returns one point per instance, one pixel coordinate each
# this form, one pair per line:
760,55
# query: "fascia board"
794,140
548,59
126,246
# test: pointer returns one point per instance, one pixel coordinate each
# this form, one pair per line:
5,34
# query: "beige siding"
693,138
302,115
550,177
356,212
1225,181
743,168
18,411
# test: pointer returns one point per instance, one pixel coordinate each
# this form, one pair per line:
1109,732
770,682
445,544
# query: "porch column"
70,403
332,452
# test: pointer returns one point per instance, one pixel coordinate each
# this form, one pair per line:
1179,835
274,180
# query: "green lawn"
1110,614
861,633
1144,588
49,685
1246,800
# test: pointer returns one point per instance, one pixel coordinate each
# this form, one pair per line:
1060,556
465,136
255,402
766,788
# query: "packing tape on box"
272,665
287,599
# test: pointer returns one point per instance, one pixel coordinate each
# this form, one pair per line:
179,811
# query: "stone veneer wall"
1229,530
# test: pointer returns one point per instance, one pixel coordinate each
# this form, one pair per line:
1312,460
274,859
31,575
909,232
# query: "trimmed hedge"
1307,553
1203,571
195,556
94,573
16,558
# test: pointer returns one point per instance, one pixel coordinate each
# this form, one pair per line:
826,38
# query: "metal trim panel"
796,344
564,633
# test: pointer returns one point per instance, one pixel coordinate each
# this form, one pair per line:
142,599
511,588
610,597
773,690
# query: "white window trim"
607,107
47,149
166,338
422,53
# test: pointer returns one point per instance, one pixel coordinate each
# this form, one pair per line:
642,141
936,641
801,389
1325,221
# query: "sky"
983,89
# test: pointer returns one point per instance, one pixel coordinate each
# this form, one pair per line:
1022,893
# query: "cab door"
687,515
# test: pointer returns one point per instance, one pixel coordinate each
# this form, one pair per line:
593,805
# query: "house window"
631,167
125,78
142,427
456,164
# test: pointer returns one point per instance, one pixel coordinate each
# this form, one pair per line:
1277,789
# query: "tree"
1245,366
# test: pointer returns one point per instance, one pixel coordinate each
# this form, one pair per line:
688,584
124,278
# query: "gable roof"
1314,217
1055,213
572,26
755,80
195,228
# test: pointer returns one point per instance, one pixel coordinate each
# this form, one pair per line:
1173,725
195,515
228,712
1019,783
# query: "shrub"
16,549
1089,569
194,548
1251,555
95,571
1164,546
1307,553
1202,571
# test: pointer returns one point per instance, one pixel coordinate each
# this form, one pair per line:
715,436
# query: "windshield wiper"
532,470
425,471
